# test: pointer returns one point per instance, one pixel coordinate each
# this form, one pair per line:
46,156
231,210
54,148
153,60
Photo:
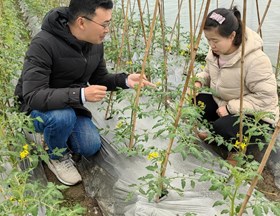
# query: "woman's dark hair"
86,7
227,21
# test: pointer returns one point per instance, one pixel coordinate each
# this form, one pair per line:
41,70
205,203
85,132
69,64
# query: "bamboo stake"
258,14
178,115
192,46
260,169
194,13
198,17
136,102
142,22
125,28
277,63
132,9
176,20
191,35
231,5
178,29
123,12
162,22
242,70
265,12
148,11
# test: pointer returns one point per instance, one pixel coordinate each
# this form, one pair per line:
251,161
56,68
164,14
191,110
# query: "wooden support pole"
136,102
242,70
124,34
260,169
178,115
264,15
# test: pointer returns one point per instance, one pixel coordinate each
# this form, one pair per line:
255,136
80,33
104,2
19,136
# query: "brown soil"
76,195
267,186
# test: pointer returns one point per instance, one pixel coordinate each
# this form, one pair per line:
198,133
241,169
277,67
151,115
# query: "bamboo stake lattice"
162,22
175,23
231,5
258,14
179,24
266,9
164,50
148,11
136,102
178,115
260,169
242,71
142,22
200,11
110,103
192,40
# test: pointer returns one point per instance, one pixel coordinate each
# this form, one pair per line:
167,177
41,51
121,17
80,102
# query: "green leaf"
225,211
183,183
152,168
257,210
142,191
192,183
218,203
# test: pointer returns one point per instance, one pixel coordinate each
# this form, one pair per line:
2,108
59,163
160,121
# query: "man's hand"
134,79
222,111
95,93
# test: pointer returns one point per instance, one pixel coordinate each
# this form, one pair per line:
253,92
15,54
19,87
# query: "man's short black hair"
86,7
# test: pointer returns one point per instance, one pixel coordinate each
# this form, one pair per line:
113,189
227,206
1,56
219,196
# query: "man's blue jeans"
64,129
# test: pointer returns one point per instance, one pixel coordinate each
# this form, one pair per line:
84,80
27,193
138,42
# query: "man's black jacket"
57,66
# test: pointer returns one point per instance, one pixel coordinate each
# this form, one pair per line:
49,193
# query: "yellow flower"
246,140
201,105
168,49
202,67
237,144
23,154
240,145
182,53
243,146
129,62
12,199
119,124
153,155
158,83
25,147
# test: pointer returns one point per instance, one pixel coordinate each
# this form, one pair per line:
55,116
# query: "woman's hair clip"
217,17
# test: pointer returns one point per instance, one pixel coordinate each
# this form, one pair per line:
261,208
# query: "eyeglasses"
106,25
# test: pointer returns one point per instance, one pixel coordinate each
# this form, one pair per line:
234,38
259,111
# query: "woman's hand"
222,111
197,85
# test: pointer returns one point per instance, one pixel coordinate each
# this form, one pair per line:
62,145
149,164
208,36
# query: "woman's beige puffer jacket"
260,87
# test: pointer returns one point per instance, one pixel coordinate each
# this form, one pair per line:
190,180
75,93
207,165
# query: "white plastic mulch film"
109,174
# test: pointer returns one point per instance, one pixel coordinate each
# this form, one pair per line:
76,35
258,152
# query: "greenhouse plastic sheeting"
108,174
